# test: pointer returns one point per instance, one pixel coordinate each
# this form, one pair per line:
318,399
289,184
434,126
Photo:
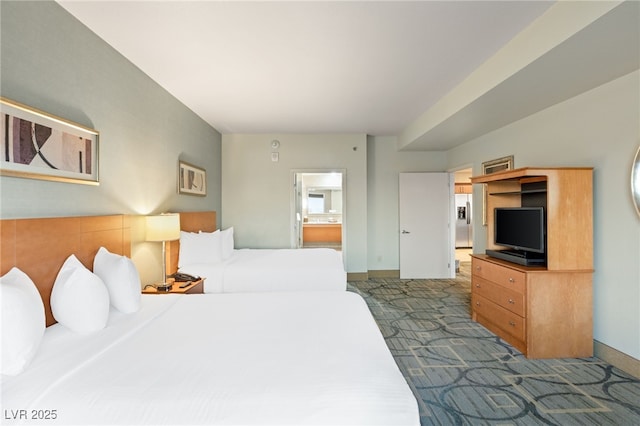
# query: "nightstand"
196,287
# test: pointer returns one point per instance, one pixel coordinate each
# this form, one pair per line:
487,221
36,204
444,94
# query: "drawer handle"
511,280
512,324
478,268
477,285
477,303
511,301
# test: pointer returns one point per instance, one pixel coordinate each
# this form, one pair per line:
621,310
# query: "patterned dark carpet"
462,374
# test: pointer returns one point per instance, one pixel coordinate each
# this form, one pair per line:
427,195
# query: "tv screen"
521,228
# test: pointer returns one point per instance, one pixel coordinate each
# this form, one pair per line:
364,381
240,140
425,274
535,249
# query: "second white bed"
268,270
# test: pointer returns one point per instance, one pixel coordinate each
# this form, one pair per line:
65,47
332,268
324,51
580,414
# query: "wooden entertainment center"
543,311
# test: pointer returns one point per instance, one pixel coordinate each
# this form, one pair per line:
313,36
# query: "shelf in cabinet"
529,191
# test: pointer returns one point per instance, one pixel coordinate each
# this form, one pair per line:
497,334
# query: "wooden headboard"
39,247
189,222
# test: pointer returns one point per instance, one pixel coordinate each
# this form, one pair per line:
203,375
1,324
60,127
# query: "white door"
426,234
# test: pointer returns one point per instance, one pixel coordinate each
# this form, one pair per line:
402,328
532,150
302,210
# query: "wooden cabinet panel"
505,320
507,298
561,319
322,233
507,277
463,188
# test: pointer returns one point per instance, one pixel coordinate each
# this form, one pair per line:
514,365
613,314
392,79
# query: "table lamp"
164,227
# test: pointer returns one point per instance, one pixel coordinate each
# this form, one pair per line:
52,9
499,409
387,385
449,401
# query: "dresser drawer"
503,296
510,278
501,318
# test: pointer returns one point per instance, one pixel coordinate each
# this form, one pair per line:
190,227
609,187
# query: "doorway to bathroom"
318,209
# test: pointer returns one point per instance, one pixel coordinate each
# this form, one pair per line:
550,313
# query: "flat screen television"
520,228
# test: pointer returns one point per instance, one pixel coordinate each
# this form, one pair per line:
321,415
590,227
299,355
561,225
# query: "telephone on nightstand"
181,276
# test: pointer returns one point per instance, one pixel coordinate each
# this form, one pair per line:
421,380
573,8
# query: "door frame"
295,225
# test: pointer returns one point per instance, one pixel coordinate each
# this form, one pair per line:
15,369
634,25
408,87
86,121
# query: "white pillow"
121,278
79,299
23,321
205,247
227,242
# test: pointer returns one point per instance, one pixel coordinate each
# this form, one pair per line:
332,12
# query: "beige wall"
144,130
257,194
384,163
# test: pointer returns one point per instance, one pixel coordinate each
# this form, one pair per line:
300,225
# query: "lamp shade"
163,227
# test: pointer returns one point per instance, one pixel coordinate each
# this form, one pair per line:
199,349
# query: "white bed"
303,358
266,270
206,251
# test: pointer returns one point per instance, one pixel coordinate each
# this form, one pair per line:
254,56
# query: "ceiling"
309,66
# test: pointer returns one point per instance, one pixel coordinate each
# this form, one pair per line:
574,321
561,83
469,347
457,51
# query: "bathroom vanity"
322,232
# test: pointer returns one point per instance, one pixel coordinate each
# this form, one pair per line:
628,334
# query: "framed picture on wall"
493,166
38,145
192,180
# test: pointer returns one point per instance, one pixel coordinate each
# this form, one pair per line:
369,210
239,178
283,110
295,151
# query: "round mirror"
635,181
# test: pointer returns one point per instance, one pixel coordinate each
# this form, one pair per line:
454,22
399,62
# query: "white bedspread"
263,270
299,358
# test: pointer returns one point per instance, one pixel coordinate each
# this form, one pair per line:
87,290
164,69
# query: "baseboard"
382,273
357,276
616,358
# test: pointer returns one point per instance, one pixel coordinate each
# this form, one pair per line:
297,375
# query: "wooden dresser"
543,311
544,314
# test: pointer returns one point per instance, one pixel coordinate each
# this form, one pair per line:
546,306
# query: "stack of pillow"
80,301
205,247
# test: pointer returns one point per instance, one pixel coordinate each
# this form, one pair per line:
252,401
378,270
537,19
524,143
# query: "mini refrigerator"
464,228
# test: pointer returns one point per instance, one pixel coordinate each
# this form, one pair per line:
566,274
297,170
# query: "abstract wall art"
192,180
38,145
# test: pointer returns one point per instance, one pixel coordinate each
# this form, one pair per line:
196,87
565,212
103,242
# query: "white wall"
600,129
257,193
384,164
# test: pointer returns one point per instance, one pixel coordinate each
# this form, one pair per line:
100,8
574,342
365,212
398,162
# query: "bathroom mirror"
324,200
635,181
